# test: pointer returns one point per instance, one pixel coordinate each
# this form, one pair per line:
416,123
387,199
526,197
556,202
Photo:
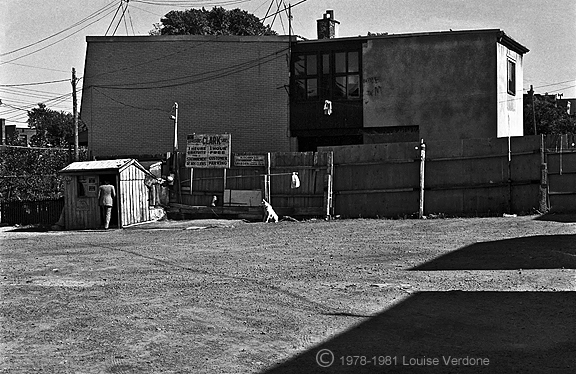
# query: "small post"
422,161
328,193
224,176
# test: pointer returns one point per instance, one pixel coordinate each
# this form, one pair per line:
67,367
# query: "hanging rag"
295,181
327,107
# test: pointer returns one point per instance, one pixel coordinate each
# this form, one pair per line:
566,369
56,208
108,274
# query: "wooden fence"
462,177
560,166
239,190
31,212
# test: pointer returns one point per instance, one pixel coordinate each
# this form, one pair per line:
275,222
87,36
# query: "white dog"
269,213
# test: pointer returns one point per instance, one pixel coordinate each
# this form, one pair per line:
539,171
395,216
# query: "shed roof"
102,165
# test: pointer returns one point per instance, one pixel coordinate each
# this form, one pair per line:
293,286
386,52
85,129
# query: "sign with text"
249,160
208,151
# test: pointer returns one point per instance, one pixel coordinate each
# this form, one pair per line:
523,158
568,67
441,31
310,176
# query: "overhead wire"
201,77
33,84
113,18
57,41
120,20
59,32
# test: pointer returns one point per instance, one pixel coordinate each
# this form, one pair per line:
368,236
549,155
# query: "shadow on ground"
530,252
500,332
566,218
31,228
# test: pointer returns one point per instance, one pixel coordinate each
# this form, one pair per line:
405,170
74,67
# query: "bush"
32,173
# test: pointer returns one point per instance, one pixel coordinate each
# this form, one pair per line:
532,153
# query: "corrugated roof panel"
97,165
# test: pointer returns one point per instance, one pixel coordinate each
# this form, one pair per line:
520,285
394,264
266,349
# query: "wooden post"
225,174
267,191
75,113
543,195
328,191
422,161
177,156
509,174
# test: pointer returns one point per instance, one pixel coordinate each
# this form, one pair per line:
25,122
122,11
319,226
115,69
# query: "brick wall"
222,84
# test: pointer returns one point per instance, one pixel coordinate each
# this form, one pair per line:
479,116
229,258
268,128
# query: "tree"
550,118
217,21
52,127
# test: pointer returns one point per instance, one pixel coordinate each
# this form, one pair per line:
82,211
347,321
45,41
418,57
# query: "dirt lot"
490,295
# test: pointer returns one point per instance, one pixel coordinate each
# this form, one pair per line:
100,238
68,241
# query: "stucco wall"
222,84
510,107
445,84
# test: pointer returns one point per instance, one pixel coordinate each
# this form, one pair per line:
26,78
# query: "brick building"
222,84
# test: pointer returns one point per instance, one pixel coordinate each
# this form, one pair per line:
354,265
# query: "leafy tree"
52,127
32,173
14,139
550,119
217,21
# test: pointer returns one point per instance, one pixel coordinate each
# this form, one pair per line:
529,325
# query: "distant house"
23,134
277,93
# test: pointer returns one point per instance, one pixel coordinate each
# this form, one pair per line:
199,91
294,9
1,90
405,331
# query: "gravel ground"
490,295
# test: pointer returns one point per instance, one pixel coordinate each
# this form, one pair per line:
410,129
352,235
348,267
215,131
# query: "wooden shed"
131,205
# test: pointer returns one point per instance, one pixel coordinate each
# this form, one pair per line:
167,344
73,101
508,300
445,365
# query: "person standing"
106,195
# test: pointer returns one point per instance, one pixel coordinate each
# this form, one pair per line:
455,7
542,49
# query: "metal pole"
175,117
422,160
176,158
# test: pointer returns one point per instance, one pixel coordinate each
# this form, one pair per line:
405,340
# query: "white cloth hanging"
327,107
295,181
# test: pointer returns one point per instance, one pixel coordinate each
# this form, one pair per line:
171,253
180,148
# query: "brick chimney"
327,26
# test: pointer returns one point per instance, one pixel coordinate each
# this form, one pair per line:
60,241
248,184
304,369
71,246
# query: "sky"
42,40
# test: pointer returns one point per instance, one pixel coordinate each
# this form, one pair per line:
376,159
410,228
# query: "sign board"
249,160
208,151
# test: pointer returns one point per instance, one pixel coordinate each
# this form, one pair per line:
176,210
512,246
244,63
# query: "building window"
511,77
347,75
327,75
306,77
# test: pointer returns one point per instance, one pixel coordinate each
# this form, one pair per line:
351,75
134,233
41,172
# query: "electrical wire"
57,41
113,18
59,32
208,76
33,84
280,11
188,3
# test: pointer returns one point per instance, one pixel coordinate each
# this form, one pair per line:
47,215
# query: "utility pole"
531,94
75,111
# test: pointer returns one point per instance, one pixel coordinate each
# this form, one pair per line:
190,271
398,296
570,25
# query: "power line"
38,67
189,3
33,84
57,41
216,74
280,11
58,33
